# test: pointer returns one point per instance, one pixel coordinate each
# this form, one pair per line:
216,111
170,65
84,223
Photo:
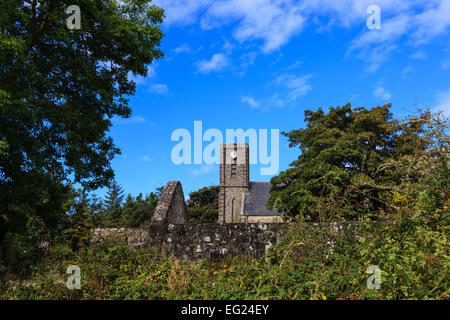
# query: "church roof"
256,199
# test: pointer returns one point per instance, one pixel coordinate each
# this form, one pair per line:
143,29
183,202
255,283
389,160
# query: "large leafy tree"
345,168
59,90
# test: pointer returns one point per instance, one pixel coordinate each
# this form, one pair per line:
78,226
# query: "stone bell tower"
234,176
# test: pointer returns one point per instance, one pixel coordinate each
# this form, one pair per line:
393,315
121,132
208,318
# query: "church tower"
234,177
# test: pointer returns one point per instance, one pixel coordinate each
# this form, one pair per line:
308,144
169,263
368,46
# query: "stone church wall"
195,241
171,207
172,235
199,240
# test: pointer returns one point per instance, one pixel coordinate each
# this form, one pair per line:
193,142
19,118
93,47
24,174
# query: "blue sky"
260,63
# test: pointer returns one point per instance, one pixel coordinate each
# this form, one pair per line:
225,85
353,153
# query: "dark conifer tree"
79,220
202,205
113,204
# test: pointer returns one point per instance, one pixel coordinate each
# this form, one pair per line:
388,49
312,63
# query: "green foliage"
114,196
59,90
138,212
203,205
3,148
412,254
113,204
353,160
85,212
21,252
22,227
311,262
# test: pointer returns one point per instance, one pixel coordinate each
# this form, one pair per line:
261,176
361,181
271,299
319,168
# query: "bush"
311,262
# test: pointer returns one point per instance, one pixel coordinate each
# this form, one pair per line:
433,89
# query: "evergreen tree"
80,220
97,212
138,212
113,204
159,191
202,205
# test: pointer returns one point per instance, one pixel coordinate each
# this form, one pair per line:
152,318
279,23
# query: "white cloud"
204,169
382,93
275,101
251,102
418,55
145,158
280,55
159,88
182,12
375,46
406,70
245,60
415,22
228,47
443,103
432,22
295,65
292,88
298,86
217,63
392,29
183,48
347,13
248,59
376,57
276,22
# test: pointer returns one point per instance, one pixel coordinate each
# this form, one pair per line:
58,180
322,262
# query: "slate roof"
256,198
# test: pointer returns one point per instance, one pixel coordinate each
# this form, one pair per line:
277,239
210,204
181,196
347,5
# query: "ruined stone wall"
171,207
202,240
172,235
194,241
